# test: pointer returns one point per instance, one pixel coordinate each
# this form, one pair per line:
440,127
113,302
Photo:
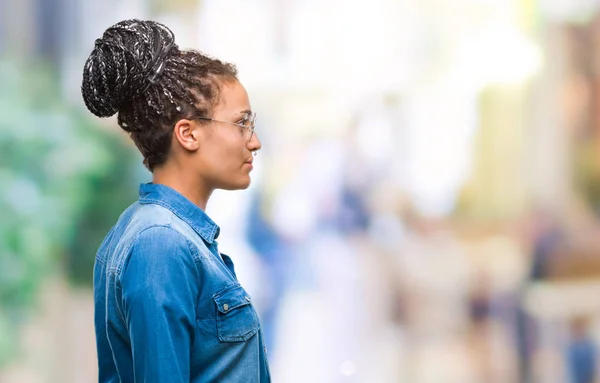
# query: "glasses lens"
249,123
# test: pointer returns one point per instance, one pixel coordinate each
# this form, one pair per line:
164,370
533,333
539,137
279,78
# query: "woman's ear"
186,132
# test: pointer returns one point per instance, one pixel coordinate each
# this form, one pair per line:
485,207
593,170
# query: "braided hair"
137,71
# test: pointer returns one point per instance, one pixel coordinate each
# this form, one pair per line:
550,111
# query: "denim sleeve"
159,290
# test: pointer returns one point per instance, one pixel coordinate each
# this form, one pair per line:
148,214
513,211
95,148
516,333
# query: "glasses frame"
251,119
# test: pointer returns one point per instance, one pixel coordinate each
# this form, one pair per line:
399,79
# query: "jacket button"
225,307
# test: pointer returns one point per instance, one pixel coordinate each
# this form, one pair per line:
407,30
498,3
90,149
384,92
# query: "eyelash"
243,120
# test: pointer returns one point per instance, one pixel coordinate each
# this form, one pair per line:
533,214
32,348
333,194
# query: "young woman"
168,305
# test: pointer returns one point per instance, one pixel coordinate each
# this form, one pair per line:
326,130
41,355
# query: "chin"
239,185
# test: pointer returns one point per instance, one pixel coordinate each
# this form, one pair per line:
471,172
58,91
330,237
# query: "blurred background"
425,207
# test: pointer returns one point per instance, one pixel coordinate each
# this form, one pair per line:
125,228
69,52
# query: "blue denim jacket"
168,305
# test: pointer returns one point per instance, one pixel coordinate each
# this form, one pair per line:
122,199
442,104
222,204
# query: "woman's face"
225,156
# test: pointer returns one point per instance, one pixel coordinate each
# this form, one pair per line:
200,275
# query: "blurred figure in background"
582,357
275,251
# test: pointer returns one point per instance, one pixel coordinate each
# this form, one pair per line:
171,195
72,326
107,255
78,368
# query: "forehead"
233,97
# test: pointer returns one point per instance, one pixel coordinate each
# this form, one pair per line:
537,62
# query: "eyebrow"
247,111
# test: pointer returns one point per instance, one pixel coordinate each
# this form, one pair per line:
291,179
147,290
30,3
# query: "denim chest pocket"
236,318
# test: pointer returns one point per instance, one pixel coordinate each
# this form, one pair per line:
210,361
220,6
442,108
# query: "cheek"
223,154
223,168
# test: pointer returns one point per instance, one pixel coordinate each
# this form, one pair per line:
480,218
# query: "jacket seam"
201,232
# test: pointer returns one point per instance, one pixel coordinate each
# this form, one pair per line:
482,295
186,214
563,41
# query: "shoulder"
159,256
163,241
149,233
147,215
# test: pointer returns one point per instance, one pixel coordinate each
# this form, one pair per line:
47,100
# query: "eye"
245,121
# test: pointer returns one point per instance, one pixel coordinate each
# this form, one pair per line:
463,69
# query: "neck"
186,184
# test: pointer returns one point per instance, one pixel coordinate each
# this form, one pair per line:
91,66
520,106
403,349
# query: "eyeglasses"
246,124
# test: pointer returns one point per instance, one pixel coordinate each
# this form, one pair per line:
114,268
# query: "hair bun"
122,63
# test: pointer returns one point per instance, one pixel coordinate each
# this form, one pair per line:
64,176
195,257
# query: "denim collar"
182,207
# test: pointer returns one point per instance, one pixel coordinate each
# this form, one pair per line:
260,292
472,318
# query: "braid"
137,71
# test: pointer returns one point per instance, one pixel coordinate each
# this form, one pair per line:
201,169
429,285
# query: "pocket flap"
231,299
236,319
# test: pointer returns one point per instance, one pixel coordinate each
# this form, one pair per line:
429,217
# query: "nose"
254,143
